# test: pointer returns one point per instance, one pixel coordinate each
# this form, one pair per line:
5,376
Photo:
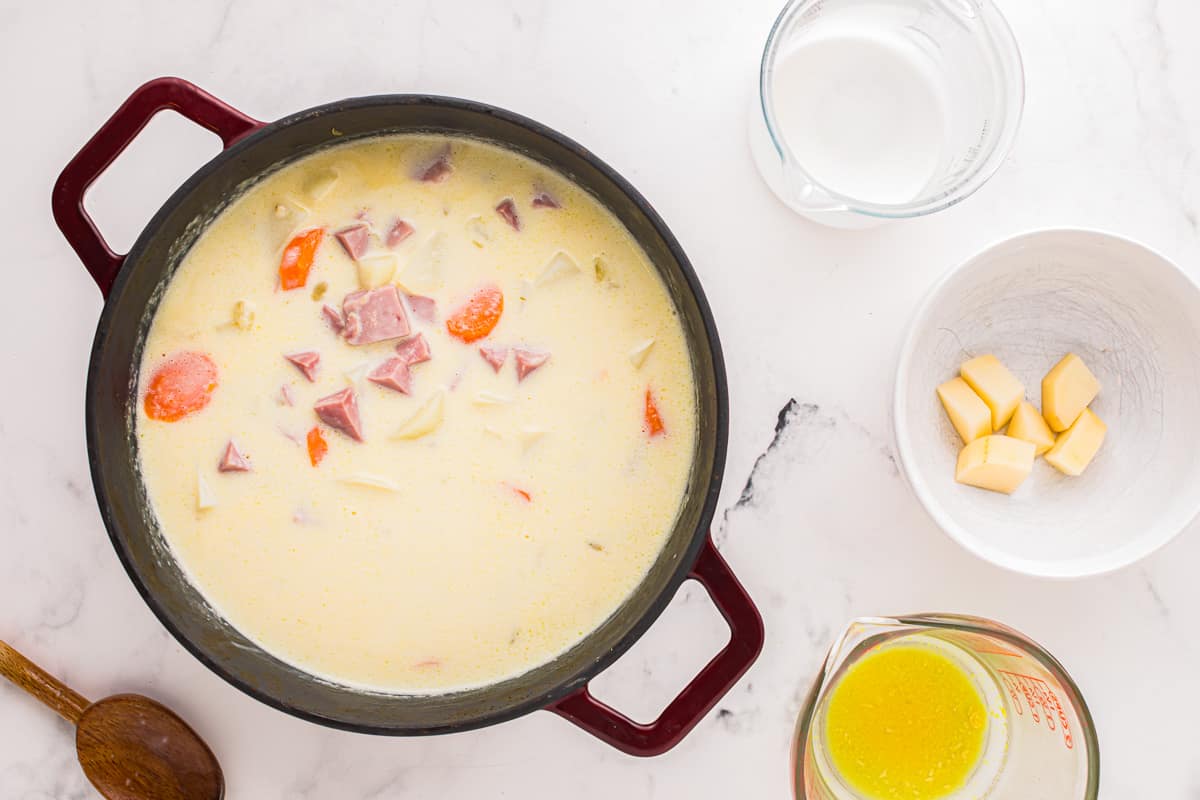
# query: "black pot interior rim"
657,606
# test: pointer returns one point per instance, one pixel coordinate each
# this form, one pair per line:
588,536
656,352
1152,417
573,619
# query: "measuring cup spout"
805,194
854,635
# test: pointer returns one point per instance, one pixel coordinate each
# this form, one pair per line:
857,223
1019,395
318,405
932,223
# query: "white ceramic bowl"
1134,318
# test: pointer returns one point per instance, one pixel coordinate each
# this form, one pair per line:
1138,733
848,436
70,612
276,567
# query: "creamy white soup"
416,414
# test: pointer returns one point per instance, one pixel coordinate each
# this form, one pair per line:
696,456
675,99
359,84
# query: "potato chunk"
1067,390
1077,445
997,463
998,387
1027,424
967,411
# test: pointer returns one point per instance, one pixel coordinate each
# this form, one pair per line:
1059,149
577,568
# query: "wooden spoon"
130,747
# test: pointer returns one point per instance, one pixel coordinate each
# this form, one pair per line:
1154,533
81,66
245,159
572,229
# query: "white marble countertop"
823,531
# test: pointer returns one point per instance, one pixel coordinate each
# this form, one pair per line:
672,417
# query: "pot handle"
699,696
111,140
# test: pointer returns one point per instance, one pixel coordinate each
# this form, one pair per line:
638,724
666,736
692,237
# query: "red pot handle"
699,696
111,140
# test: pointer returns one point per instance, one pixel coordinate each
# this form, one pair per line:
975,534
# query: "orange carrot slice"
654,423
298,258
181,386
521,493
317,446
478,316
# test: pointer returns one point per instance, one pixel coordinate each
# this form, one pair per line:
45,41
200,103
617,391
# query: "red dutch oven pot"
132,285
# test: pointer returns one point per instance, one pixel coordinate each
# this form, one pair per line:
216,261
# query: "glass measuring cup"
1040,741
940,81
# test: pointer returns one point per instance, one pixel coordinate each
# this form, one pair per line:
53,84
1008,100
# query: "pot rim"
708,509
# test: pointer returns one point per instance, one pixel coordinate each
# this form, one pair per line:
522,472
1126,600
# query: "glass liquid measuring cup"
1039,743
872,110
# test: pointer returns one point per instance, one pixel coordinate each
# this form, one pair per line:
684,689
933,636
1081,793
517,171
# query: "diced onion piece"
243,315
477,231
375,271
371,481
290,215
426,420
486,398
206,498
638,355
320,185
558,267
530,435
357,374
423,272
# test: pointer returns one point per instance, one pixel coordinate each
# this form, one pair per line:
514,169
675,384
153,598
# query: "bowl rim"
1079,567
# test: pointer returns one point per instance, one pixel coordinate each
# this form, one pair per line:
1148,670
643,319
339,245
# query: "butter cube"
998,463
998,387
1067,390
969,414
1029,425
1077,445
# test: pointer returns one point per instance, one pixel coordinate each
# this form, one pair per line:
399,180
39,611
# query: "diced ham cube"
354,240
333,317
286,398
392,374
340,411
413,350
496,356
399,231
423,308
438,170
306,362
508,210
544,200
374,316
232,460
528,360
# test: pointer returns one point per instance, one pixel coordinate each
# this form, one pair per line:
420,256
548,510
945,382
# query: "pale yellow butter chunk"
969,414
1067,390
1077,445
998,387
998,463
1027,424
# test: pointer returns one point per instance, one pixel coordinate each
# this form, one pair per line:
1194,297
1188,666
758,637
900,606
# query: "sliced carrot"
317,446
181,386
654,423
298,258
478,316
524,495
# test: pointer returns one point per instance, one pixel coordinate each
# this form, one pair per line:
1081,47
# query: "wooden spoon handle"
45,687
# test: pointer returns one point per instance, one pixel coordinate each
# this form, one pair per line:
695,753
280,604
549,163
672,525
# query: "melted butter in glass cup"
871,110
935,682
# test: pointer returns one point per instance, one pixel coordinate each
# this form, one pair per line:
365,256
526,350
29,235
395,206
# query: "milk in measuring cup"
862,113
